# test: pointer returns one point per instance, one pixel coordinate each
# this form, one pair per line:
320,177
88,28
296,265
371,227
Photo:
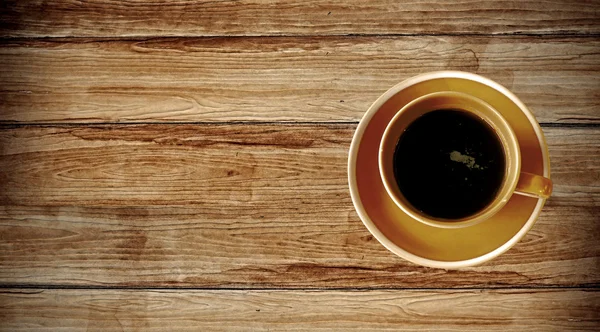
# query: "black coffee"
449,164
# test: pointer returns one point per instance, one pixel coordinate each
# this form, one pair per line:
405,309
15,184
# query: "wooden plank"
232,310
279,79
246,206
32,18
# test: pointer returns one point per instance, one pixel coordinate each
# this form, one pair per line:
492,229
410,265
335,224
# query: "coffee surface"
449,164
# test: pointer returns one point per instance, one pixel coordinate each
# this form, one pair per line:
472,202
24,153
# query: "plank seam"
346,35
11,125
592,286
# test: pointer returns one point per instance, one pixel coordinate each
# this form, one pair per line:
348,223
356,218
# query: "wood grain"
246,206
230,310
324,79
33,18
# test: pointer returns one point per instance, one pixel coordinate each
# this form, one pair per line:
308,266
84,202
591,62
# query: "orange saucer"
428,245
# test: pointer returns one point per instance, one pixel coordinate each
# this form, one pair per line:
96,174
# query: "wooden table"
182,165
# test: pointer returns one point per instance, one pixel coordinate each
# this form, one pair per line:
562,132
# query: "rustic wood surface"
181,165
154,205
273,310
59,18
280,79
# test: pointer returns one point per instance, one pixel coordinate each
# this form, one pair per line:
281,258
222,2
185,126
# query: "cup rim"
509,144
356,142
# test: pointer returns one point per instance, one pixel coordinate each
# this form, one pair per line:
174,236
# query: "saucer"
428,245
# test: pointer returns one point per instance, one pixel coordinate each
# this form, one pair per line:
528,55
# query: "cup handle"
534,185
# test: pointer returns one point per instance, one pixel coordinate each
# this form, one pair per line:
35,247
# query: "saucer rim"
353,186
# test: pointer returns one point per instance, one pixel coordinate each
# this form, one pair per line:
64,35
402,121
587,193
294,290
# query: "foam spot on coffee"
465,159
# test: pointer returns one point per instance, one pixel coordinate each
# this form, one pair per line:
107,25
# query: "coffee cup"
435,141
